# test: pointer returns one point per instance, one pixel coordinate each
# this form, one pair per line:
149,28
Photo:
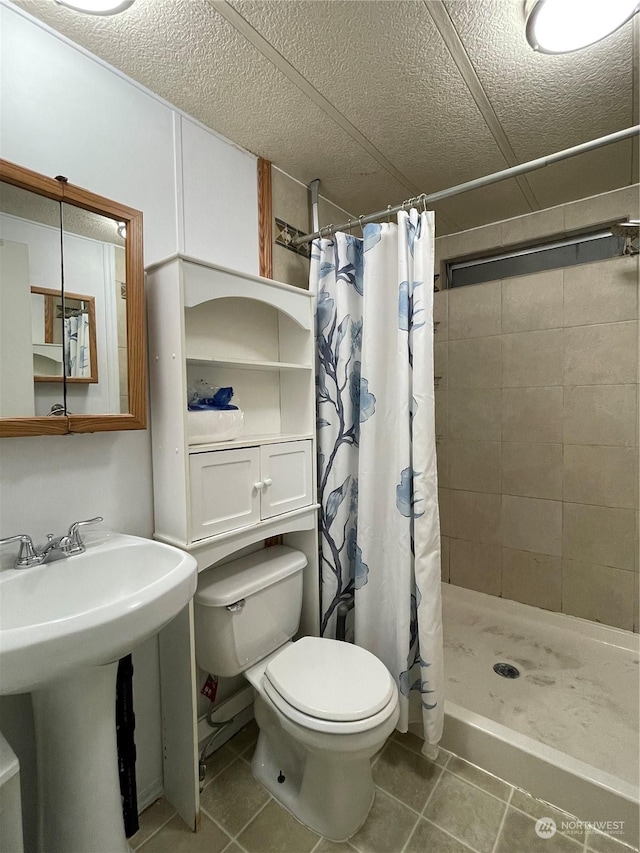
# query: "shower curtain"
76,345
379,528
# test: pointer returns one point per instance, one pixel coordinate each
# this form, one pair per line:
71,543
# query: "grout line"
398,800
502,822
242,828
155,831
480,788
411,834
450,834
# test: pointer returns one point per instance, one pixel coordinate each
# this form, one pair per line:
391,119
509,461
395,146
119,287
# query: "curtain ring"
424,202
360,218
388,214
349,226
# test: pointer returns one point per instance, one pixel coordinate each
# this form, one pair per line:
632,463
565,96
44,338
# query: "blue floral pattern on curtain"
379,528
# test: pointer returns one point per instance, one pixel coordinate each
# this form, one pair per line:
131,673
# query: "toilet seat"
330,686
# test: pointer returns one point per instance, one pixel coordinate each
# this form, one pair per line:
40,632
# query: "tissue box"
210,425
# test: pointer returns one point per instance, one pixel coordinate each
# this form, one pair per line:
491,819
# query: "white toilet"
324,708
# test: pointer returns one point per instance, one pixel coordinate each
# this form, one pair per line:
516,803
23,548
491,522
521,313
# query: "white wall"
65,112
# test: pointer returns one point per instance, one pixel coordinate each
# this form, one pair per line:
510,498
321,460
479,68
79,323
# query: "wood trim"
136,418
136,324
49,320
16,427
265,218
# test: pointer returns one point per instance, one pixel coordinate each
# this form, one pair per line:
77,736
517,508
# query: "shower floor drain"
506,670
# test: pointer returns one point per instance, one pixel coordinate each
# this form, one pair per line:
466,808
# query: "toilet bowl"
323,708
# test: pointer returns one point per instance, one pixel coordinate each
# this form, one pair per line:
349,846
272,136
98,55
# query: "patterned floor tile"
537,809
387,828
274,830
176,837
406,775
471,773
469,814
151,819
518,835
233,797
428,837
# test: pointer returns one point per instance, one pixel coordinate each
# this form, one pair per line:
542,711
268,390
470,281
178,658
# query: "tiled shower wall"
537,424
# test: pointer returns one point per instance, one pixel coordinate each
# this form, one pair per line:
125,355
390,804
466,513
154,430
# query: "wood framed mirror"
63,336
72,288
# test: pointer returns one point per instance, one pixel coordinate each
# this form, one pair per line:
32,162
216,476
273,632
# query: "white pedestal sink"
63,627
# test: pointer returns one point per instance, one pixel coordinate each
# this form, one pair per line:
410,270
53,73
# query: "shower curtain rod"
512,172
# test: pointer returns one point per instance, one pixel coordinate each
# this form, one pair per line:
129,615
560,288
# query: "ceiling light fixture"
562,26
97,7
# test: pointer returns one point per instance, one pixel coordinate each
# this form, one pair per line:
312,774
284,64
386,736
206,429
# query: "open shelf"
248,364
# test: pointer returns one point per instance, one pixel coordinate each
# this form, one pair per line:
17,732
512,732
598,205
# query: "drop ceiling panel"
545,103
385,66
198,61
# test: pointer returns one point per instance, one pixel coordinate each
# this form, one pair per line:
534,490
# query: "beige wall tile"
443,505
606,207
601,355
531,226
291,200
532,470
600,593
444,559
603,292
475,311
604,476
290,268
475,565
442,409
474,516
475,413
474,466
598,534
531,302
636,603
475,363
600,414
442,458
441,362
463,243
532,414
531,578
529,524
440,315
532,359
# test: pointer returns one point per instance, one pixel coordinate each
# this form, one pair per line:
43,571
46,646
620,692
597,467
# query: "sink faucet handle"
76,545
26,555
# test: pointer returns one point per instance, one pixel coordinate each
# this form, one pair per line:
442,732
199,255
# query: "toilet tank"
246,609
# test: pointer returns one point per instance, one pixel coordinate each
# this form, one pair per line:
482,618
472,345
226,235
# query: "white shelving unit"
256,335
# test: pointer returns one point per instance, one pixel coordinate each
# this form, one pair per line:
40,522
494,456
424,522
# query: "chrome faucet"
67,545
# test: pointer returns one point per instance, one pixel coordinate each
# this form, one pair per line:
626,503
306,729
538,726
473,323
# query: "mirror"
63,336
72,355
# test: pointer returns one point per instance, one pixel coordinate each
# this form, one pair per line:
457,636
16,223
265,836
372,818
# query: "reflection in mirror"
30,256
63,334
94,269
71,285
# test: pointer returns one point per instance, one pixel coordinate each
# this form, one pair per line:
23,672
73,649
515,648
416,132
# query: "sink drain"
506,670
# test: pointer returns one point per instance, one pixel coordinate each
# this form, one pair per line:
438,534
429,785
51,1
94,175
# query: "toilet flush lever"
236,607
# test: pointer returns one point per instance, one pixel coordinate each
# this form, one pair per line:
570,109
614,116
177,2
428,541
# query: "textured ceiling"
383,99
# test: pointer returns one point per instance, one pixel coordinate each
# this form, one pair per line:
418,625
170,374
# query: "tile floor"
446,806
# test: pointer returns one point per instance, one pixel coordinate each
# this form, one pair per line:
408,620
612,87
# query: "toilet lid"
331,680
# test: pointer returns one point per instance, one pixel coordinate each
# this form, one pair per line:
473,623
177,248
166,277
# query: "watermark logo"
546,827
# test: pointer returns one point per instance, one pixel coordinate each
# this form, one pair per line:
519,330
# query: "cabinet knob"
258,486
267,482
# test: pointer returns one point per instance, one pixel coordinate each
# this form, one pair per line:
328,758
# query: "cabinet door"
223,490
286,475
